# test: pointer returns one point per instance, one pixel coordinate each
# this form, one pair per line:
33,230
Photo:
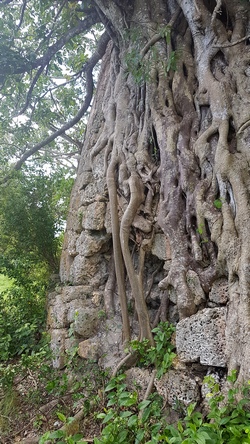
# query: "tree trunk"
167,153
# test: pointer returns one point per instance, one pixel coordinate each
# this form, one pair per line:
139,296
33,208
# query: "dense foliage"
32,217
43,50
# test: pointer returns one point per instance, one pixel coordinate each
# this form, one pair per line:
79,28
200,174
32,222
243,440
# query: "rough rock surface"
93,218
110,339
58,338
89,349
161,247
176,386
85,322
195,287
219,292
138,379
201,337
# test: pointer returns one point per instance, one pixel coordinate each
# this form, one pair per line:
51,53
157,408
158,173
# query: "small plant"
126,420
137,66
202,231
102,314
61,437
38,421
218,203
161,355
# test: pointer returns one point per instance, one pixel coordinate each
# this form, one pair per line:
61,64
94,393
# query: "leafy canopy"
45,50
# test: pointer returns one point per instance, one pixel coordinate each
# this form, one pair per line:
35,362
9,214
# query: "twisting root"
216,11
128,361
136,198
119,266
109,290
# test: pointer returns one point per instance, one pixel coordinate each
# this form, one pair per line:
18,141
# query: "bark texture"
164,173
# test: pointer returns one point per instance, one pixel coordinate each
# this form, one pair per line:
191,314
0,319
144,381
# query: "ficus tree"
170,120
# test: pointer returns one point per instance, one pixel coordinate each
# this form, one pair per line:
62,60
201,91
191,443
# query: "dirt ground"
31,406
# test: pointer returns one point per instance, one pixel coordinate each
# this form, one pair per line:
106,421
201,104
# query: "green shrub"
22,320
161,355
126,419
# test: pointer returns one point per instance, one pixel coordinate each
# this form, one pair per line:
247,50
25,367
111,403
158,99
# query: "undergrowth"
112,411
126,420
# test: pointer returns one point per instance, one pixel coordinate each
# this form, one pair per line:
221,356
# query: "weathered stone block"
58,338
176,386
73,308
201,337
138,378
142,224
72,239
85,323
107,221
83,269
52,296
110,335
173,315
85,178
57,315
94,216
195,287
89,349
79,292
87,195
161,247
219,292
74,220
71,343
88,244
65,265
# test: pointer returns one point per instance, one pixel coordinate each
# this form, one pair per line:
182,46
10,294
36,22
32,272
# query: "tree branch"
6,2
23,7
69,139
29,94
82,26
88,68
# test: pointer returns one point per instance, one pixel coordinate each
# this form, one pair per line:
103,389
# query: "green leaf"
110,415
132,420
101,415
190,409
61,416
125,414
218,204
139,436
122,436
180,427
44,438
111,385
78,437
57,434
144,404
